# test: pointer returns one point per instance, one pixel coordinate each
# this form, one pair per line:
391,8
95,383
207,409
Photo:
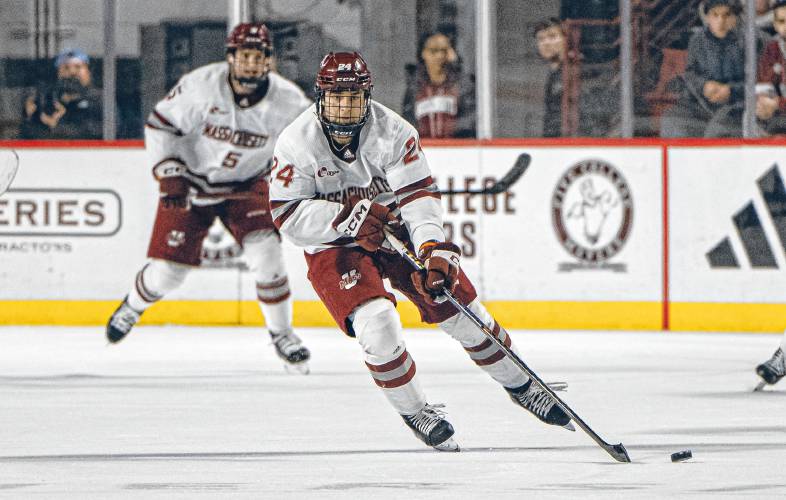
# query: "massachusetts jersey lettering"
221,143
389,168
240,138
378,186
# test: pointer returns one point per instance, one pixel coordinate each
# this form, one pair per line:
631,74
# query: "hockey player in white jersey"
342,171
774,369
210,142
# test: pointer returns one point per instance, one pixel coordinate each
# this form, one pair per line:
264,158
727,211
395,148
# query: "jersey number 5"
285,175
231,159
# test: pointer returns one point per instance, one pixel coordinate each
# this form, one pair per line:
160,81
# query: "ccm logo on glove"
172,185
365,222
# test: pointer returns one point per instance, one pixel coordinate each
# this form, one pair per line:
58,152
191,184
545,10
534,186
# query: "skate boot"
538,402
772,370
121,322
290,348
430,426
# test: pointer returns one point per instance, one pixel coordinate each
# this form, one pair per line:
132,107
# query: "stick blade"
9,163
518,169
618,453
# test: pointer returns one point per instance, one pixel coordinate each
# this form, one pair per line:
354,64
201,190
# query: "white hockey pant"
378,329
263,255
483,351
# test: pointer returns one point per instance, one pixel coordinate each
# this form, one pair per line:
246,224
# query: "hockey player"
213,135
344,170
774,369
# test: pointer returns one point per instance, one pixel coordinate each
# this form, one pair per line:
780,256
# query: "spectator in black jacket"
69,109
550,39
711,103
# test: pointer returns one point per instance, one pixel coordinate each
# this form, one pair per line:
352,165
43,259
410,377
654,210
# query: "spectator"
711,102
551,47
440,99
771,85
69,109
764,15
597,96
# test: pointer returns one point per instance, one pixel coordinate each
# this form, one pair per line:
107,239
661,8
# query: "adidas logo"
758,249
348,155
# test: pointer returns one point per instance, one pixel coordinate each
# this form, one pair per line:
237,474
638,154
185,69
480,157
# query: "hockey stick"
240,195
617,451
9,164
502,185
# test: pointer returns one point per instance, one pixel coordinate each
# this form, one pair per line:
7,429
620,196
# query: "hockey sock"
378,329
262,251
278,315
483,351
154,281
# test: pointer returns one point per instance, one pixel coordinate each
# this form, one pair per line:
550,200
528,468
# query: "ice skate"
121,322
538,402
430,426
772,370
290,348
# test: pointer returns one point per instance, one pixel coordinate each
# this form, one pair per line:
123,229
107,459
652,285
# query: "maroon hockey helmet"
250,36
343,71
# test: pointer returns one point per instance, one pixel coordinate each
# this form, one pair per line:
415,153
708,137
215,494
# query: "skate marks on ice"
715,431
657,452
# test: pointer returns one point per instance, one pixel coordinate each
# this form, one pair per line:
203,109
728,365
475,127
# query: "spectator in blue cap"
69,109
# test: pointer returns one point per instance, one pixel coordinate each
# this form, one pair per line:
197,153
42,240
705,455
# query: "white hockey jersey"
221,143
309,183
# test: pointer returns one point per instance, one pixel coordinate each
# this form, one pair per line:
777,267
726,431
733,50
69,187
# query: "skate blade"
558,386
447,445
760,387
297,369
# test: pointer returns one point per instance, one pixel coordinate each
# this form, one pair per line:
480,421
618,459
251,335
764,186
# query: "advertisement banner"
582,228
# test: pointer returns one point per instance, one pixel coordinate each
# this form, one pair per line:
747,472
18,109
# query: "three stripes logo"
750,229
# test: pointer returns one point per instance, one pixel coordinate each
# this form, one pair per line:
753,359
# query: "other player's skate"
772,370
121,322
290,348
430,426
538,402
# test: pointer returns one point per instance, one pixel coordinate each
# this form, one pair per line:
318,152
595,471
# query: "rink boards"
685,235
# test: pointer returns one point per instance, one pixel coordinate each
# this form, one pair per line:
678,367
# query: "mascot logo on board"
592,215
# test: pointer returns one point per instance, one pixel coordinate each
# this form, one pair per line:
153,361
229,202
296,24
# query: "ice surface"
176,412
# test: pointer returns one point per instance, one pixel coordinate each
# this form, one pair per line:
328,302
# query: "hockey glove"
365,222
172,185
442,269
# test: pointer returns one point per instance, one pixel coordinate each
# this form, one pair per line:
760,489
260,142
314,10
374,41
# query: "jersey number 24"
285,175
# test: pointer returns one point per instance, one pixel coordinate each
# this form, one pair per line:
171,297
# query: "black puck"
681,456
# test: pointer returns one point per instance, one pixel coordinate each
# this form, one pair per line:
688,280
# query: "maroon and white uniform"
309,184
213,136
224,147
346,173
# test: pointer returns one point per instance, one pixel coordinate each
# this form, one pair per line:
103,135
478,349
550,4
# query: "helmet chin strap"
251,84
